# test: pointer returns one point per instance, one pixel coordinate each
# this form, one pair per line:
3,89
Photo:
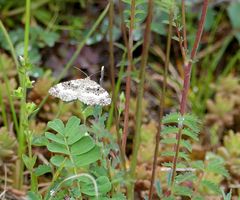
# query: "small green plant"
73,164
196,176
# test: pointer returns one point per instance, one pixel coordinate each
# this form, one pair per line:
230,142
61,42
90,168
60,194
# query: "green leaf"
217,166
158,188
228,196
72,125
169,141
57,148
87,158
198,198
186,144
103,184
171,154
49,38
29,162
33,196
88,111
187,176
171,118
118,196
57,125
61,161
198,165
169,164
190,133
234,15
169,129
58,138
40,141
76,135
82,146
182,190
210,185
42,169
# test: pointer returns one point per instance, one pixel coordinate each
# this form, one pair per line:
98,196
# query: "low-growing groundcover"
161,121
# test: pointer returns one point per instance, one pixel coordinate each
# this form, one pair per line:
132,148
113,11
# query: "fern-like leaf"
217,166
187,176
210,185
171,118
182,190
180,154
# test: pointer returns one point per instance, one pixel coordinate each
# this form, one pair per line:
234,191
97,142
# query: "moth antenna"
81,71
102,73
102,76
98,72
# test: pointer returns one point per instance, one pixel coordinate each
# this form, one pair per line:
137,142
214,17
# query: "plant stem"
162,104
20,10
123,27
14,116
187,71
10,44
186,85
136,141
111,64
111,49
3,109
128,81
75,55
184,26
23,112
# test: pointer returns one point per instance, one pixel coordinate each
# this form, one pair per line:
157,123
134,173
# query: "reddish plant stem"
186,85
162,104
128,81
187,71
111,48
182,48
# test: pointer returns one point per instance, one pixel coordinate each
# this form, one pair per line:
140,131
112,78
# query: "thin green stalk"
136,141
128,80
34,182
123,27
186,85
10,44
111,112
73,163
20,10
23,125
162,104
111,64
3,108
12,50
116,90
10,98
75,55
231,64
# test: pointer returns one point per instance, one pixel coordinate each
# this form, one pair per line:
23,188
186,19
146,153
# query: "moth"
84,90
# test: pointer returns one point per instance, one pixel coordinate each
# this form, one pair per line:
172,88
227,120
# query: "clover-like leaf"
87,158
57,125
82,146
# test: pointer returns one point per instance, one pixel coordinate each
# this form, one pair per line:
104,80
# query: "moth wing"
93,94
66,91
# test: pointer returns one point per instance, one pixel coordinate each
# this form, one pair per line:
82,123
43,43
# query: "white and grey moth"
84,90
